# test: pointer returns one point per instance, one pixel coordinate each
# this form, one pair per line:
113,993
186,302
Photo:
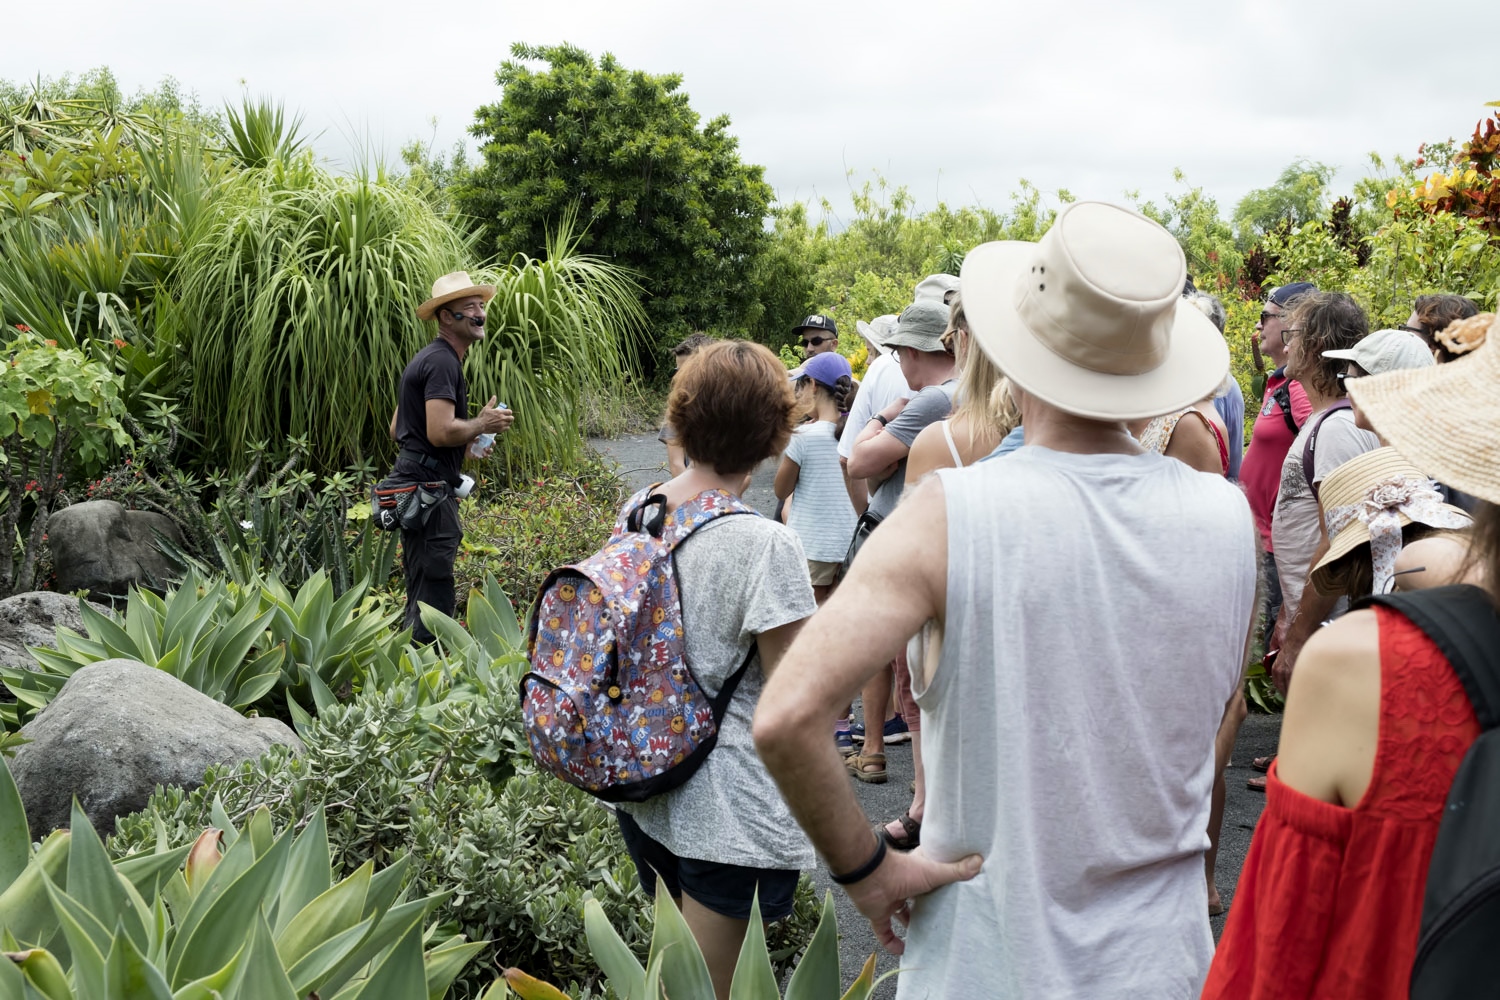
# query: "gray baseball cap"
921,325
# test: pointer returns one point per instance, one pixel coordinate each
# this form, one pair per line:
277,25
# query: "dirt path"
641,459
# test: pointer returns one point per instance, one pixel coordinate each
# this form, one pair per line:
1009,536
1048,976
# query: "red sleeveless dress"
1330,899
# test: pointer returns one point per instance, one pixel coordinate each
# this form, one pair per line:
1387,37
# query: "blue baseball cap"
1285,295
827,369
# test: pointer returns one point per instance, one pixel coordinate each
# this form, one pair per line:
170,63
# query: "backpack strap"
1310,446
1463,623
1282,395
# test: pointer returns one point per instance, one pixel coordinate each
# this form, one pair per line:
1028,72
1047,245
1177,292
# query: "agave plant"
675,967
233,916
237,643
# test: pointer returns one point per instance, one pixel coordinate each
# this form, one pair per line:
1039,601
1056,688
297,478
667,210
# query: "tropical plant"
58,411
261,919
658,192
675,966
259,133
246,645
429,761
1297,197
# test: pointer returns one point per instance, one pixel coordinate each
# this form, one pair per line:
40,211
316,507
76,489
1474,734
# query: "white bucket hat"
877,330
1091,318
453,286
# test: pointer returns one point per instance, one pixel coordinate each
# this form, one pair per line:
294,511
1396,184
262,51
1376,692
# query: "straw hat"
1091,319
453,286
1369,484
1444,418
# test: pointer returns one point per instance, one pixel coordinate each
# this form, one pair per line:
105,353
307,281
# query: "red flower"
23,328
119,342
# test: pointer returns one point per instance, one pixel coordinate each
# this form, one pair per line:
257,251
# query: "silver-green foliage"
237,643
263,919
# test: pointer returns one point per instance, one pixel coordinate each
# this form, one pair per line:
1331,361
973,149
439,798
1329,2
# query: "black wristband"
883,420
865,870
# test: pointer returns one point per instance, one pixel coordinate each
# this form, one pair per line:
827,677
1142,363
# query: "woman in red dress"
1330,899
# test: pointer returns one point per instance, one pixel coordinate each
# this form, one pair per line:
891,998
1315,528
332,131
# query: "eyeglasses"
1266,317
1287,333
815,341
1413,329
1390,585
1343,380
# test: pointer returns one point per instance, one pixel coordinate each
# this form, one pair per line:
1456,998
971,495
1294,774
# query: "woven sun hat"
1378,491
1445,419
877,330
453,286
1386,351
1091,318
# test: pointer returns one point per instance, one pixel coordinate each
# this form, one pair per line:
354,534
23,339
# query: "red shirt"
1330,899
1270,439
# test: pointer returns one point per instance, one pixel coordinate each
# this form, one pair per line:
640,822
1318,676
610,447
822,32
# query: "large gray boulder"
101,547
119,728
32,619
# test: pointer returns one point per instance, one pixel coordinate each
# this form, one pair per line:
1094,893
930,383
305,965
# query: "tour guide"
434,439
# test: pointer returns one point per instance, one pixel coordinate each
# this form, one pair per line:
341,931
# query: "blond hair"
984,402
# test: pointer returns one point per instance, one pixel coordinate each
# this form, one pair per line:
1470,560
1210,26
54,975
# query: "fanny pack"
405,505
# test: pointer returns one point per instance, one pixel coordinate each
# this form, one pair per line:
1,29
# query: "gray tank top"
1096,617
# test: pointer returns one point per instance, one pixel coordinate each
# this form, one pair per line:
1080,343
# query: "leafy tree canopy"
657,192
1298,196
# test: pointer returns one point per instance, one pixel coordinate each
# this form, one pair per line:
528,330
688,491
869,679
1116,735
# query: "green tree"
1297,197
655,191
1206,239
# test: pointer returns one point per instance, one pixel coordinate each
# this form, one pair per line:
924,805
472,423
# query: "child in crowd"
823,516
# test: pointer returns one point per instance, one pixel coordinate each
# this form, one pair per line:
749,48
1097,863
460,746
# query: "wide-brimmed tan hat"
1443,418
877,330
1091,318
1381,480
453,286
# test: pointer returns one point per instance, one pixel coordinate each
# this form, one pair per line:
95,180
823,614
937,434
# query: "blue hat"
827,369
1285,295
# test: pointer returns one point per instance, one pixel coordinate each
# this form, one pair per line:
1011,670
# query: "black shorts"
725,889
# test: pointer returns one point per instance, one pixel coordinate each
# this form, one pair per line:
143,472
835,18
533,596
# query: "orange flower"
119,342
23,328
51,343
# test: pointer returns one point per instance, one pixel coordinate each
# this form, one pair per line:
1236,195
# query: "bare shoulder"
928,452
1332,722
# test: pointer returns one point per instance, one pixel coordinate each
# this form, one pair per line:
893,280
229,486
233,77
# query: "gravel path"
641,459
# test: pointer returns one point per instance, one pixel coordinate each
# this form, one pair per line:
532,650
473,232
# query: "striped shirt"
822,515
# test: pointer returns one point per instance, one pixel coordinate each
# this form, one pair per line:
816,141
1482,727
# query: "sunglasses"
815,341
1266,317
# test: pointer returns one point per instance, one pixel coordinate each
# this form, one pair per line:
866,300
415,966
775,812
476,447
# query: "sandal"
1262,764
912,837
869,768
1256,784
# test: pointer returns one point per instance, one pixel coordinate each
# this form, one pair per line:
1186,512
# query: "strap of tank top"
1218,437
958,461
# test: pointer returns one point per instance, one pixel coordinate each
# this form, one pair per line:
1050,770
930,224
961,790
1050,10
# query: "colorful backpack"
610,703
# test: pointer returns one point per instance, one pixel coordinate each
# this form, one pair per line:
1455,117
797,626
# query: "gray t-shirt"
739,576
927,407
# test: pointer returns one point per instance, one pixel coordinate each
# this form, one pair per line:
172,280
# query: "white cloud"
954,98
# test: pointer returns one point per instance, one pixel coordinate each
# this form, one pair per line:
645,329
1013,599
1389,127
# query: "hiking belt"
425,461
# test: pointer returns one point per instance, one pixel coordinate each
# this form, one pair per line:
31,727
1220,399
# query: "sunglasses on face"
1266,317
815,341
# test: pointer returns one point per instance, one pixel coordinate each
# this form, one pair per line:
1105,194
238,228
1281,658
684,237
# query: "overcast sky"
955,99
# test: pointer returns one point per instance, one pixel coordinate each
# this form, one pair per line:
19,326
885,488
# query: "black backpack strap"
1282,395
1463,623
1310,446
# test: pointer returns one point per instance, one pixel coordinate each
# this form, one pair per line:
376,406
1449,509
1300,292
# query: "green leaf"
817,975
618,963
215,925
311,972
43,972
443,964
115,639
25,910
13,981
149,872
333,912
83,933
309,874
400,975
127,974
754,979
260,975
15,838
212,987
684,973
864,983
94,883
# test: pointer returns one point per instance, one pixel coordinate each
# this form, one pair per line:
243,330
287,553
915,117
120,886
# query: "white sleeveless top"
1096,618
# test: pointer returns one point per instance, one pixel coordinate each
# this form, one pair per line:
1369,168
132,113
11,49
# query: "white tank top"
1096,618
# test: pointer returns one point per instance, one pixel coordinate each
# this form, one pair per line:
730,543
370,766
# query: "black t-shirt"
435,373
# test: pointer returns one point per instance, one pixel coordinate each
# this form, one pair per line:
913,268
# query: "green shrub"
536,525
263,919
254,644
435,766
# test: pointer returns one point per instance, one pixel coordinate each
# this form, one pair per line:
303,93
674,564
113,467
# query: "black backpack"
1458,951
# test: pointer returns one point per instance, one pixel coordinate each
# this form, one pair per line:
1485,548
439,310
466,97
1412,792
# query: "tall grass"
298,297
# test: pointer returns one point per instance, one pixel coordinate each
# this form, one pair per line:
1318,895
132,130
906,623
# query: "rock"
32,620
119,728
102,548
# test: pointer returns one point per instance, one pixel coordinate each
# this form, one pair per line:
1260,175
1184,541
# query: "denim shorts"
725,889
